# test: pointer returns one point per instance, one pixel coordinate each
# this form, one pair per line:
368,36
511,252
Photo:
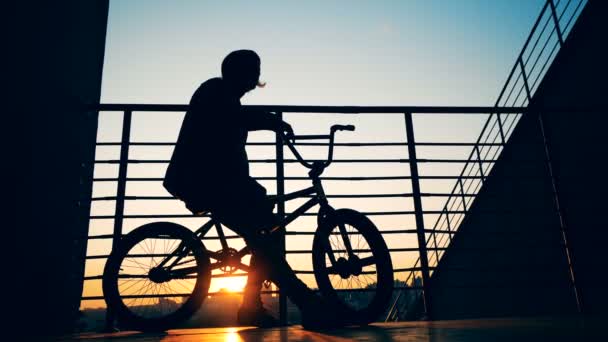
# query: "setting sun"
230,284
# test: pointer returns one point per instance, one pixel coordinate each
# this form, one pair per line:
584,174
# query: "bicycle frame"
229,259
318,197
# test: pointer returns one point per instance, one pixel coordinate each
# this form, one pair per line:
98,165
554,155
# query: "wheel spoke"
153,262
142,266
131,285
337,245
369,278
178,282
132,276
330,253
155,246
354,243
346,239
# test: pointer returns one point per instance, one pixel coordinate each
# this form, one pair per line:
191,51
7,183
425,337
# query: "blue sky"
319,52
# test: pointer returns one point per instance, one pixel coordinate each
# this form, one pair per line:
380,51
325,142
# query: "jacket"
209,158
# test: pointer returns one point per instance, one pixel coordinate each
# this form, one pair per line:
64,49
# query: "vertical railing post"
420,229
525,78
556,21
462,195
434,235
501,130
281,212
480,164
120,192
122,177
447,219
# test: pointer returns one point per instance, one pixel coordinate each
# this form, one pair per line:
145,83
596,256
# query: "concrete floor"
519,330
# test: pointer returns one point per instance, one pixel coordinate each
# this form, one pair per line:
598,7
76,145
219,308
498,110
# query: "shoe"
320,314
256,316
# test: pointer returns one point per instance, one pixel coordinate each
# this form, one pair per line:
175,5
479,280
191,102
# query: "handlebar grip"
344,127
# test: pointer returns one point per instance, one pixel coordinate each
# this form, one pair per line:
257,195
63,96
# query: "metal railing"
539,50
410,160
432,240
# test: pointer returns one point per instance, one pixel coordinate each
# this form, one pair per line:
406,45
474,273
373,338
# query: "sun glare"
231,284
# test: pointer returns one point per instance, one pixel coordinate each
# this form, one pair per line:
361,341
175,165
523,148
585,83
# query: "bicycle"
150,289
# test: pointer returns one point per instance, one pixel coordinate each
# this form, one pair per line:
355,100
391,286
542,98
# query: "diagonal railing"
548,33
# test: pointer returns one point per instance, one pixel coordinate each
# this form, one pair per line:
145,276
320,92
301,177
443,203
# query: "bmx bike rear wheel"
157,277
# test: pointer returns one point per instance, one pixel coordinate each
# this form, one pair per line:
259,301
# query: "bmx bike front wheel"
352,264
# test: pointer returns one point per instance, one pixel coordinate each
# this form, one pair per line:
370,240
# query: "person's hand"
286,128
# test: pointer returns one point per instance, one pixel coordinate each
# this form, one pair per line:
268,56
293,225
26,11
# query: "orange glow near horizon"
230,284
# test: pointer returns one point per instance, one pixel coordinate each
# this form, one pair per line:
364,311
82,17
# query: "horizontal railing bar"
100,237
495,247
102,217
518,267
304,251
407,269
221,275
110,236
228,237
313,272
293,251
371,213
401,288
311,137
344,178
300,232
401,231
319,109
396,270
410,249
154,198
364,178
398,160
363,144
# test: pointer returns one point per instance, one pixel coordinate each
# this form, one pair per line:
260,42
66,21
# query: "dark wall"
509,257
60,48
578,149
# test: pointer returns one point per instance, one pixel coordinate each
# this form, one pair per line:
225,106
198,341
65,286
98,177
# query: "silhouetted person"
209,170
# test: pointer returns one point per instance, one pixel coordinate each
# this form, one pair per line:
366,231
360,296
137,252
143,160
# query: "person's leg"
248,212
271,262
251,217
258,271
255,278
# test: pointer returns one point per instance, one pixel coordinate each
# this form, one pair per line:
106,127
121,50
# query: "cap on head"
241,64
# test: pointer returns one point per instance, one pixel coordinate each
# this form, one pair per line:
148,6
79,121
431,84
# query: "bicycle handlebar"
288,137
342,128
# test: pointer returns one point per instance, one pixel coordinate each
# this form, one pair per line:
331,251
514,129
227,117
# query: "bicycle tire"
324,269
129,307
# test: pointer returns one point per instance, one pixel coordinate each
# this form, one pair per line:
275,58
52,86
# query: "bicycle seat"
201,213
196,210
